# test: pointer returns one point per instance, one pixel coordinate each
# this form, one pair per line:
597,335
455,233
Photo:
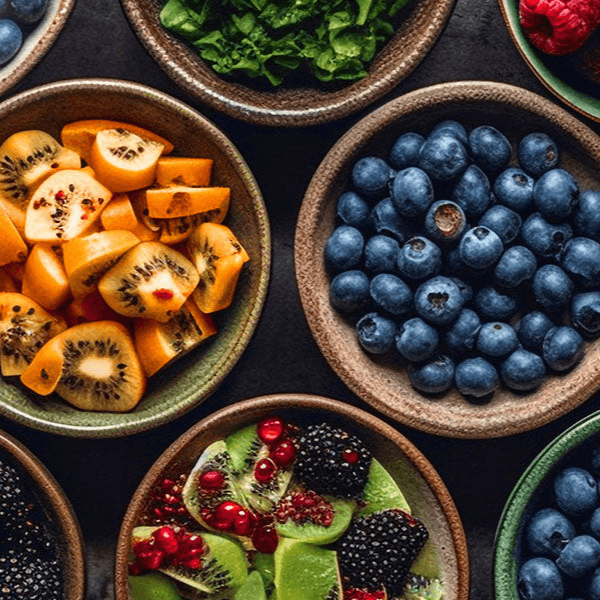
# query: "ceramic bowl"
384,383
290,107
424,490
532,493
58,510
185,383
565,77
36,44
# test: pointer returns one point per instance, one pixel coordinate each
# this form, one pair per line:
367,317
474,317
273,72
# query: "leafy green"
270,38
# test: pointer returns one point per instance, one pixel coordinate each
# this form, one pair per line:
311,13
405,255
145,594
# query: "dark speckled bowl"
182,385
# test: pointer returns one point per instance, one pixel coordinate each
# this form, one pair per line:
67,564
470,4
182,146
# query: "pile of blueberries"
16,20
561,542
473,266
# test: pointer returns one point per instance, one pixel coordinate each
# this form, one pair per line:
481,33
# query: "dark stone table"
99,477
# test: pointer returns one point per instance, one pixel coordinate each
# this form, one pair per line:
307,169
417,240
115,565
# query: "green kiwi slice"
243,447
153,586
381,492
252,588
264,564
421,588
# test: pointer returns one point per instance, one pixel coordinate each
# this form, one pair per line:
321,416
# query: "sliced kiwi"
264,564
381,491
243,446
422,588
252,588
152,586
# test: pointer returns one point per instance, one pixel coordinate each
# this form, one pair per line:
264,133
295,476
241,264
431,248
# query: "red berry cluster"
356,594
305,507
166,503
282,452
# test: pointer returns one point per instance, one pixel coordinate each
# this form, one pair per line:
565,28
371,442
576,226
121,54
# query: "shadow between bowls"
59,511
423,488
190,380
299,107
383,383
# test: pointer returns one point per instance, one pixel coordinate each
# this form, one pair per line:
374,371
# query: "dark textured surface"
100,476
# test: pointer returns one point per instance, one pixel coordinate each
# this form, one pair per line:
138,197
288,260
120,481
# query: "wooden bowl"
384,384
287,106
58,510
178,387
424,490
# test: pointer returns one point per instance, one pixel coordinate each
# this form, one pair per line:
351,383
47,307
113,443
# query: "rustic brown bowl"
383,383
182,385
36,44
424,490
289,107
58,510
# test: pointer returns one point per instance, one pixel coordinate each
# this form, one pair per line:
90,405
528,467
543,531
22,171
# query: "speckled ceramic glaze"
527,497
58,510
424,490
384,383
290,107
188,381
36,43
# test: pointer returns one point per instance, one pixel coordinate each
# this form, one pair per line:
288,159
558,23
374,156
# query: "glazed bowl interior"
424,490
188,381
422,23
57,509
383,382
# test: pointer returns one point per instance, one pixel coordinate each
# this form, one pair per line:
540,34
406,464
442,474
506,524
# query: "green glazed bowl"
530,495
180,386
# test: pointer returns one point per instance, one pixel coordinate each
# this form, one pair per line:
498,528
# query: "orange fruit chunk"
182,171
12,248
179,201
45,280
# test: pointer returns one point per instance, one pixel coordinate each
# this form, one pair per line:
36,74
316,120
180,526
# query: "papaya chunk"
119,214
45,280
13,247
182,171
180,201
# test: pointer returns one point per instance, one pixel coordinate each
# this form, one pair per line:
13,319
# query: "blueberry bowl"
382,380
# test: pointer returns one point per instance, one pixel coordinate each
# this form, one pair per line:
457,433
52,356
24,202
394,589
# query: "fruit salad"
114,260
280,511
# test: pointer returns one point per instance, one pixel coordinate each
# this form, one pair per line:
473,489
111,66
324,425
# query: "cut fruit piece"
119,214
252,588
64,207
264,564
151,281
87,169
159,343
124,161
92,307
152,586
145,234
88,259
26,159
178,170
381,491
174,231
24,328
243,444
45,280
99,369
180,201
211,241
306,572
12,248
421,588
80,135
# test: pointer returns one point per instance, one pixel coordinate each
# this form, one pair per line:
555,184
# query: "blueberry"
490,148
548,532
586,221
497,339
405,151
562,348
532,330
28,11
523,370
514,188
492,305
370,176
580,258
461,337
594,523
585,313
391,294
419,258
434,376
385,220
594,588
551,286
416,340
443,157
4,8
349,291
506,223
472,192
476,377
555,194
575,491
537,153
580,556
412,192
453,262
451,128
381,253
376,333
11,39
353,210
344,248
516,265
445,221
466,291
545,239
540,579
438,300
480,247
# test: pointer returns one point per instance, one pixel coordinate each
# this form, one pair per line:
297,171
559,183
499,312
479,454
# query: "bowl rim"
479,423
192,399
253,408
257,110
60,507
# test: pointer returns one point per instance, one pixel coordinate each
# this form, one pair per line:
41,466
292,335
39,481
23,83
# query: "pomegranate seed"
163,293
152,560
143,547
211,480
265,540
264,470
242,525
135,569
270,430
284,454
166,540
60,195
225,513
309,501
166,484
351,456
192,563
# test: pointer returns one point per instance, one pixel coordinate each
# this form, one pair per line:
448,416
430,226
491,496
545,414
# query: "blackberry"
331,461
38,579
378,550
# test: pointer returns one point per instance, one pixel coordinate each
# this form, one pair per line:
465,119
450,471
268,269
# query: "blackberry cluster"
331,461
378,550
